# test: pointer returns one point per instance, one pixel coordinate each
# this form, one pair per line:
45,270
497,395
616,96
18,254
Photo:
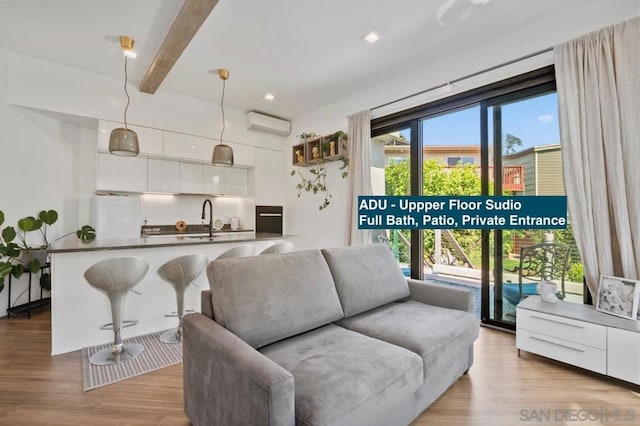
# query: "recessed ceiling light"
371,37
269,97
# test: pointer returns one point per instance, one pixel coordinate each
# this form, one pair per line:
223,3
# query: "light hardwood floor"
37,389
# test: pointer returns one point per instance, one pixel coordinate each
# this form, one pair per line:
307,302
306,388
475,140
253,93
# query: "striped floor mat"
156,355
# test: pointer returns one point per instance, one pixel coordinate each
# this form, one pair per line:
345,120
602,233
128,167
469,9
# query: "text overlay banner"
464,212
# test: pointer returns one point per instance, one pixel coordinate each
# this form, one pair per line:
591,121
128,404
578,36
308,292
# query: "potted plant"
17,255
9,250
34,256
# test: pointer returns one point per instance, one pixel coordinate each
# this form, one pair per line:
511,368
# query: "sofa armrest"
226,381
206,305
439,295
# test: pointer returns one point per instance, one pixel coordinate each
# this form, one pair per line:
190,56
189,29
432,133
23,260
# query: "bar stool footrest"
125,324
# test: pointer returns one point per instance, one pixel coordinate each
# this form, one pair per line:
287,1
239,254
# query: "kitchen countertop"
170,230
161,241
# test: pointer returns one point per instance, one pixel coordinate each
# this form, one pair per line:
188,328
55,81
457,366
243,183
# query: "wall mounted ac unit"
267,124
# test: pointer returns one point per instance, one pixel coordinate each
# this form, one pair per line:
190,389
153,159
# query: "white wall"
40,169
327,228
43,85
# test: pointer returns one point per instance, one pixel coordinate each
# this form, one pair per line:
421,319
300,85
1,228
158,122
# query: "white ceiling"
308,53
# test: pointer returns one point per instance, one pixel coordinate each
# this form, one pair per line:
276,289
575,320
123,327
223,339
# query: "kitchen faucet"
210,216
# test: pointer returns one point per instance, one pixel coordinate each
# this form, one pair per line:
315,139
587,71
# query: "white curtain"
359,174
598,79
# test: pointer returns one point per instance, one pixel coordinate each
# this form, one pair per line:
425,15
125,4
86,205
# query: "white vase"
547,291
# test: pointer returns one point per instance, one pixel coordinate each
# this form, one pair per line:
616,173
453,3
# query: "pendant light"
124,141
222,153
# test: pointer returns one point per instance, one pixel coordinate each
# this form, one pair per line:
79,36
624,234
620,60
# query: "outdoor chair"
546,261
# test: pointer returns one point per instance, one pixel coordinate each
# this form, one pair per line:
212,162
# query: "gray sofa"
322,337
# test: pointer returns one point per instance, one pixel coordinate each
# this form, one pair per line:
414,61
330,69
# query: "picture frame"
619,296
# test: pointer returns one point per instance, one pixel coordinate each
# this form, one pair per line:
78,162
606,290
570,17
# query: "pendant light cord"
224,83
126,92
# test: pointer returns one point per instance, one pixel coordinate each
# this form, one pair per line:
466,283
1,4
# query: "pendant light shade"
222,153
124,141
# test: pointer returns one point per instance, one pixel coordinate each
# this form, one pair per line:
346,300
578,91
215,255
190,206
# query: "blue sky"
533,120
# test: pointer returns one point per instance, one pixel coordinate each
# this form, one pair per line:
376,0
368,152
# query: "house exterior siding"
550,179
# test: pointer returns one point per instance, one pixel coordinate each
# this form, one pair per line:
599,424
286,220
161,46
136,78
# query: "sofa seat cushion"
366,276
264,299
343,377
432,332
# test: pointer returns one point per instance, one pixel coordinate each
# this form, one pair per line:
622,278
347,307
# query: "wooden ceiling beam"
189,20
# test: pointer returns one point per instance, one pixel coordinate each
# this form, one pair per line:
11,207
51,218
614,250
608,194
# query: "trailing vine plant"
317,181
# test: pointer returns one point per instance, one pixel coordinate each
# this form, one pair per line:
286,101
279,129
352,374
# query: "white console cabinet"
623,361
579,335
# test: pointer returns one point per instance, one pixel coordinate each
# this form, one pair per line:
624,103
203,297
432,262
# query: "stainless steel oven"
269,219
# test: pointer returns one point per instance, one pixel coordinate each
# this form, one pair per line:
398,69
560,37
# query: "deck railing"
512,177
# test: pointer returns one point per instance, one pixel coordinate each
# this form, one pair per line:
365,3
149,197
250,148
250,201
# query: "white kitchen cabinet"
269,177
235,181
225,181
623,360
126,174
191,178
243,155
163,176
179,145
150,140
214,180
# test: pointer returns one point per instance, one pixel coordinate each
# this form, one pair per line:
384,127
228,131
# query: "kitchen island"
78,310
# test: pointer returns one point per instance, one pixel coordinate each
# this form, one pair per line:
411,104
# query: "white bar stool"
284,247
180,273
240,251
115,277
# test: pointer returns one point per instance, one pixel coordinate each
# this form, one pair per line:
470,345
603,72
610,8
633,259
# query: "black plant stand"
30,305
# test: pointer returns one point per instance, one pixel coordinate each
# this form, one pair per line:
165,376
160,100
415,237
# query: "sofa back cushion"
366,276
264,299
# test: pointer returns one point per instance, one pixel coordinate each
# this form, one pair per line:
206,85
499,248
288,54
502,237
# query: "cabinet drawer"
561,350
584,333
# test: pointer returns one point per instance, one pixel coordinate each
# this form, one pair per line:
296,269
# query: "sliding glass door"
524,137
451,159
391,175
501,139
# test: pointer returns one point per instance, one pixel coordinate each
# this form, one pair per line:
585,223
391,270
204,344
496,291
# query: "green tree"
438,180
462,180
510,143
